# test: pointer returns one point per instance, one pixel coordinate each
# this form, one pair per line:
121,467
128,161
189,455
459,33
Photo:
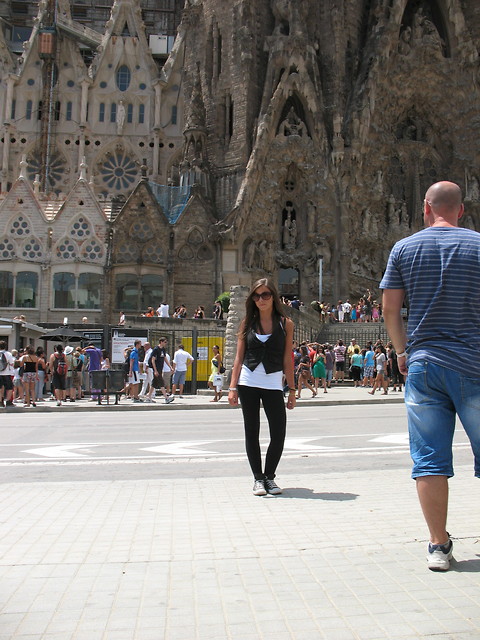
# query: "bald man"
438,270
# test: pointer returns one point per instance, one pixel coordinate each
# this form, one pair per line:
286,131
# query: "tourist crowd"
373,366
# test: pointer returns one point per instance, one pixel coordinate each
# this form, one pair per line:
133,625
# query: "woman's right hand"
233,398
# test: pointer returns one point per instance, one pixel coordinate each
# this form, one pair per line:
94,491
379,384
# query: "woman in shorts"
215,375
29,362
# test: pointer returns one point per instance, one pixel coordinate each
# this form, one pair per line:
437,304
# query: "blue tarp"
171,199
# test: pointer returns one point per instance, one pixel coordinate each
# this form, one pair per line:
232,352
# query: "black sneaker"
272,487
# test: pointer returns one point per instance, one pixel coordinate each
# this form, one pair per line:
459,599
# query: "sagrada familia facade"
294,138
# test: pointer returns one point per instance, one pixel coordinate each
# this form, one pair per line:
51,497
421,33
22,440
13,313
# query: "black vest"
271,352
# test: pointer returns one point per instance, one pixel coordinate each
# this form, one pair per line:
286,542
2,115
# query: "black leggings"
274,407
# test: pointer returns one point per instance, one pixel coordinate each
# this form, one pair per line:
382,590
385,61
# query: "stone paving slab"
337,557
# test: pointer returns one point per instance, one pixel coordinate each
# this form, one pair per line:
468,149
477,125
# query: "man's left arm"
392,313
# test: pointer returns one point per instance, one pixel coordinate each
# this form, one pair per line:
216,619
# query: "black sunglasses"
265,295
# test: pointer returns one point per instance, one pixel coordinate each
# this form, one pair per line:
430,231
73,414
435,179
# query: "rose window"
119,171
126,253
92,250
80,229
19,227
67,249
7,249
141,230
32,250
56,170
153,253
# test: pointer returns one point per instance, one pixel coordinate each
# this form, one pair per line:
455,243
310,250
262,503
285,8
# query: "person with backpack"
58,369
156,362
6,373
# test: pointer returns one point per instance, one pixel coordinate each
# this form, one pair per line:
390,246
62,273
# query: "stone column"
156,155
83,107
9,97
236,313
6,153
81,145
157,105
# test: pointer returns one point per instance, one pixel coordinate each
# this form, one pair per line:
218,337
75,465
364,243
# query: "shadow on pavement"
466,566
309,494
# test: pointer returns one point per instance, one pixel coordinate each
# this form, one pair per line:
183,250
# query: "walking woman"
319,371
214,381
264,356
381,369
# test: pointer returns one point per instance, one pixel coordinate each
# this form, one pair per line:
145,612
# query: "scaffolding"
159,16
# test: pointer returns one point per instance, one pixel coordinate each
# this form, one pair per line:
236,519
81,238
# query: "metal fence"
198,342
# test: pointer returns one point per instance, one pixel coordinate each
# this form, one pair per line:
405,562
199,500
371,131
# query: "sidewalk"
338,394
337,557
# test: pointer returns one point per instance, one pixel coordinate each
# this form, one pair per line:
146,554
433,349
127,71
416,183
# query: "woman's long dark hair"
252,315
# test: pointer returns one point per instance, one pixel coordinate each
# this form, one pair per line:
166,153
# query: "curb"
186,406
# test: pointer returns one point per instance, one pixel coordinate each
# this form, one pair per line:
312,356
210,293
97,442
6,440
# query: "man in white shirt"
163,310
181,361
6,372
147,371
347,310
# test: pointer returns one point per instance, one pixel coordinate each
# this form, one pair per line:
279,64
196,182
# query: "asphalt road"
129,445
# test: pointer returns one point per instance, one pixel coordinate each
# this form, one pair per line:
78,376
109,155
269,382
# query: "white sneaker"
259,488
439,556
272,487
169,399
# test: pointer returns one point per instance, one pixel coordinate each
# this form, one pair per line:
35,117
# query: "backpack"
3,361
77,363
60,365
126,364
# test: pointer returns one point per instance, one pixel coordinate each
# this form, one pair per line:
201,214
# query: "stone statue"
266,262
391,209
431,37
293,125
311,217
286,229
378,183
250,255
282,14
473,192
323,249
120,119
404,45
293,234
367,221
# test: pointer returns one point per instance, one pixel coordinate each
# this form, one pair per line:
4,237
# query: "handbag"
222,369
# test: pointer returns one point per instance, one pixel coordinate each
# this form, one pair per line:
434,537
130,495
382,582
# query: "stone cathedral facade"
295,139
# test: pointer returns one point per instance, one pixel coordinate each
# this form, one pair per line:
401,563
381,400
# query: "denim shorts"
179,377
434,396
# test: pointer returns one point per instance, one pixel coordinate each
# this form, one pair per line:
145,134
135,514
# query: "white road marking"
182,448
393,438
299,444
59,451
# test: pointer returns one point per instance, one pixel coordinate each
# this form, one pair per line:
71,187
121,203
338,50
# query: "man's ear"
462,211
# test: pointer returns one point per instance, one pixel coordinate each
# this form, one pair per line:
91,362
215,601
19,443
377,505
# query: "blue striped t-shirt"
439,268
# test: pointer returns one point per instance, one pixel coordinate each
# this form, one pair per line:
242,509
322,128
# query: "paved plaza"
339,556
